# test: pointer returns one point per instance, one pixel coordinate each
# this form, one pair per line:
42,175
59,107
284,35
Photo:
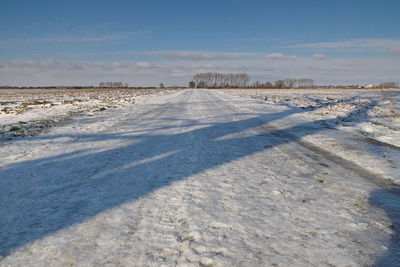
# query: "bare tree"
257,84
305,83
221,80
268,85
389,85
290,83
192,84
279,84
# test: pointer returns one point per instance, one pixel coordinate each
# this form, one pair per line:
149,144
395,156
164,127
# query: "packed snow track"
198,177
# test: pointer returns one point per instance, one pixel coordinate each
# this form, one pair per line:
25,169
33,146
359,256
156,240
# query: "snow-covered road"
198,177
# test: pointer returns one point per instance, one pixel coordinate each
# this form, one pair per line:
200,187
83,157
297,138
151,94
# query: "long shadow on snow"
42,196
390,203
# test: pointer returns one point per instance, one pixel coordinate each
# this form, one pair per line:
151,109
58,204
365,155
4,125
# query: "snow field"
27,112
199,177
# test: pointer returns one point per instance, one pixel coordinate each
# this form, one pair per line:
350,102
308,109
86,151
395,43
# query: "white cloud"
354,43
319,56
42,65
144,64
395,49
141,73
79,37
330,68
151,73
280,56
101,37
198,55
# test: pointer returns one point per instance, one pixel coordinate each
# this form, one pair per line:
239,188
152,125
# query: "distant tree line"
389,85
221,80
287,83
235,80
113,84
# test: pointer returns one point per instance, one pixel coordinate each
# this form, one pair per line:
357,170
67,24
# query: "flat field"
200,177
26,112
373,113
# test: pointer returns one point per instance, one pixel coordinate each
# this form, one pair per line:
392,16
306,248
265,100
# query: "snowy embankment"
366,124
369,112
27,112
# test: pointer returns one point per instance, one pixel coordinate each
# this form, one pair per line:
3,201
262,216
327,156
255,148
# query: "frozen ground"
200,177
374,113
27,112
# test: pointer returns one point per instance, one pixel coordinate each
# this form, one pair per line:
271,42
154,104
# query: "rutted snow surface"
196,178
373,113
27,112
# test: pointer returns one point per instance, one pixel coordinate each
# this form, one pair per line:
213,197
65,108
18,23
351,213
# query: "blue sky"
148,42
